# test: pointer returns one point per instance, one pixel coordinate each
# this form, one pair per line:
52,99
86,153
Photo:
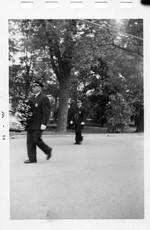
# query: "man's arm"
83,117
45,111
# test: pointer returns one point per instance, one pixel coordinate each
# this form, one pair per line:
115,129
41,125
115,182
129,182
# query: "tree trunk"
27,81
55,108
63,106
139,121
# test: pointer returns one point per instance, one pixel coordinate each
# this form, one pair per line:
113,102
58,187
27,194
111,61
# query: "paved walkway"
101,179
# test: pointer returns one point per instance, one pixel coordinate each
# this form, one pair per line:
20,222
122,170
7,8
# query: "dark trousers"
78,133
33,140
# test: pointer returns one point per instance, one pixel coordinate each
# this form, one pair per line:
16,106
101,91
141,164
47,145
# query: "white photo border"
12,10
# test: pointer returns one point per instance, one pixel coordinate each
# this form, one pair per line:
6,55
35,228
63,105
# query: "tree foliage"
92,59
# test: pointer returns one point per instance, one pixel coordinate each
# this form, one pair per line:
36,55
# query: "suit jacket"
41,111
78,116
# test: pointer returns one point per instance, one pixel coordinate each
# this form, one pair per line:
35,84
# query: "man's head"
37,87
79,103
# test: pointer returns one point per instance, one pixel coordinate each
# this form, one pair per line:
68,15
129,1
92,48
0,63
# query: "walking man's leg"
31,148
78,134
41,144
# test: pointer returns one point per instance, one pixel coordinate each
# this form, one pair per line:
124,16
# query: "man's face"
36,88
79,104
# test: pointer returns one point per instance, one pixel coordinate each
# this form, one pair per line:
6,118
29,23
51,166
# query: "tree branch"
55,68
122,48
128,50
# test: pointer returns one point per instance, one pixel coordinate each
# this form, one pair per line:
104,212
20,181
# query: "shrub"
118,114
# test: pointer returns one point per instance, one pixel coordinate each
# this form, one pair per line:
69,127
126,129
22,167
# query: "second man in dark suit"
77,119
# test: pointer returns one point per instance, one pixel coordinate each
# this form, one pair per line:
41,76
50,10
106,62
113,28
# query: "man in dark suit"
77,119
41,111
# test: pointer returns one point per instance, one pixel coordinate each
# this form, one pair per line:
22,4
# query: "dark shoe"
28,162
81,138
77,143
49,154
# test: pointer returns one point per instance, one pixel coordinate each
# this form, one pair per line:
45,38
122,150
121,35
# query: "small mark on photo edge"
126,4
76,4
145,2
51,4
26,4
101,4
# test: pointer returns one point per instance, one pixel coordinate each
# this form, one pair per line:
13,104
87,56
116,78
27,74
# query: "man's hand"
71,122
43,127
82,123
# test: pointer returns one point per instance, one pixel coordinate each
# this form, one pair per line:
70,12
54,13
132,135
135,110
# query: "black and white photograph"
76,119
